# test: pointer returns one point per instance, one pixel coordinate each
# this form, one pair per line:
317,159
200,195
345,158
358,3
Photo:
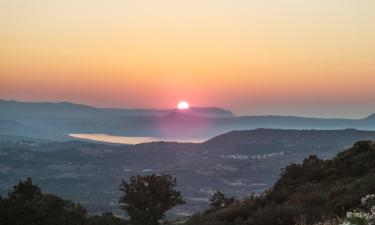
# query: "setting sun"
200,103
183,105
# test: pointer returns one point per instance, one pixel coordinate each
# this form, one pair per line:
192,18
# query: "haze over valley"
56,121
67,148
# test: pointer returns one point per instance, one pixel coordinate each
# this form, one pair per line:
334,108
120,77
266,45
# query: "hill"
370,118
312,190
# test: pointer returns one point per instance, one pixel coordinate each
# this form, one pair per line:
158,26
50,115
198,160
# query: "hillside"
314,189
370,118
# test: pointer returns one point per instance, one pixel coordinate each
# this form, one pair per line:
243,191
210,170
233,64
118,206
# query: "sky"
285,57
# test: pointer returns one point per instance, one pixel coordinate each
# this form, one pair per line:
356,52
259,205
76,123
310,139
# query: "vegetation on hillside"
365,215
315,190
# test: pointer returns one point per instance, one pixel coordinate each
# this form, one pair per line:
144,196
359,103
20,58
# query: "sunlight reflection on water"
130,140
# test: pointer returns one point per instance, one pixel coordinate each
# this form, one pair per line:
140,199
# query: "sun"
183,105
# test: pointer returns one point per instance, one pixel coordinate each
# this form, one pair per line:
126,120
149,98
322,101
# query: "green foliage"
315,189
147,198
366,216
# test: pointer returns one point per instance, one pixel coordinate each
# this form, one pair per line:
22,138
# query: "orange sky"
253,57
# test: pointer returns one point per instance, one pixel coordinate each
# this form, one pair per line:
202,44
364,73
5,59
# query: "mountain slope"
370,118
66,109
314,189
15,128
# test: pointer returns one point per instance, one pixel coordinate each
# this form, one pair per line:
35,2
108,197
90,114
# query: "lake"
130,140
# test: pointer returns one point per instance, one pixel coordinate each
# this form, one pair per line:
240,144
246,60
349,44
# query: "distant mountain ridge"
58,120
370,117
56,107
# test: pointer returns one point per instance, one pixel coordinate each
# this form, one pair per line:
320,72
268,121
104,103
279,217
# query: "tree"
26,204
147,198
21,206
218,200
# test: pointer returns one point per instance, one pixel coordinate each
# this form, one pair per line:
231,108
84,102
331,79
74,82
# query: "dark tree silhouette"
147,198
218,200
26,204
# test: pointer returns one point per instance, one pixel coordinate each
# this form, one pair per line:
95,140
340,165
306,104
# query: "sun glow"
183,105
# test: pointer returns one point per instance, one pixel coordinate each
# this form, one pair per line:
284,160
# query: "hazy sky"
300,57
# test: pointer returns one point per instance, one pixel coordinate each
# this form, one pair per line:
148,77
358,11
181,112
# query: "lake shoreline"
116,139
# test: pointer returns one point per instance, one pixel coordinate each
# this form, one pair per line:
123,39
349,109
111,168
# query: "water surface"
130,140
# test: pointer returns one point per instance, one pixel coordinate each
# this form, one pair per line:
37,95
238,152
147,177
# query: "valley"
238,163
